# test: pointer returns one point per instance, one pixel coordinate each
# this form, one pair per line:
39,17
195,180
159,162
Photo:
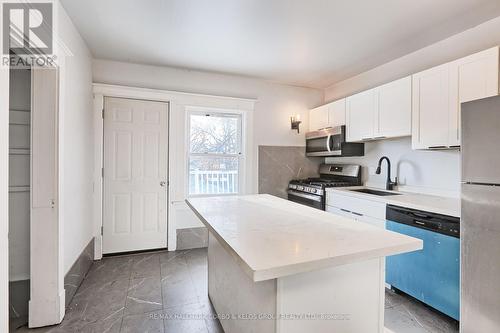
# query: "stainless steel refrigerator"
480,220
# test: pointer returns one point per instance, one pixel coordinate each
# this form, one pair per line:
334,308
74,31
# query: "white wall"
435,172
76,140
479,38
276,102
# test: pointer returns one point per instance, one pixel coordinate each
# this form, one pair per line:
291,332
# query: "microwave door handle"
328,143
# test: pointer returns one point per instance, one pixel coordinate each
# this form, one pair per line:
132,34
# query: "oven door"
307,199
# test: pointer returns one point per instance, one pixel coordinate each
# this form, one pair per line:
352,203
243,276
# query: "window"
214,153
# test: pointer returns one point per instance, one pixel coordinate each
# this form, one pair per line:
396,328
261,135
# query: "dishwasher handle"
442,224
410,212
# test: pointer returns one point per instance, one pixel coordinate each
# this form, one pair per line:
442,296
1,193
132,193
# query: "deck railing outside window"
213,182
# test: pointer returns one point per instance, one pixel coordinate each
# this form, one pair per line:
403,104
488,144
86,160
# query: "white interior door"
47,297
135,175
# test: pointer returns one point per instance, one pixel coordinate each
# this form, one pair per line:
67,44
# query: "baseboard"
192,238
49,312
19,296
78,271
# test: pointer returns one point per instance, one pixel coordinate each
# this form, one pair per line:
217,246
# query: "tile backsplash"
278,165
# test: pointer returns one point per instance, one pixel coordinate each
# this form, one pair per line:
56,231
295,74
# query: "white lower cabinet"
372,221
362,210
338,211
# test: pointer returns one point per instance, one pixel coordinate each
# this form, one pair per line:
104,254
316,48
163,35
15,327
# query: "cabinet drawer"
340,212
357,206
379,223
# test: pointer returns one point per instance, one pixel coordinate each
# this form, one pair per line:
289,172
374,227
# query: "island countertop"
271,237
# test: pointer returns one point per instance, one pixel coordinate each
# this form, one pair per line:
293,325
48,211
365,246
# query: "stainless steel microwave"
331,142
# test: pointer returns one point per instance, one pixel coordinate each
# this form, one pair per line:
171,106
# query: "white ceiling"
311,43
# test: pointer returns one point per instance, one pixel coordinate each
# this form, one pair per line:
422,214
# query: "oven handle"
305,195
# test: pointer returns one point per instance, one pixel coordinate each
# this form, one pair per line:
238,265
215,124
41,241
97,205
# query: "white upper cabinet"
425,105
476,77
382,112
329,115
336,113
393,115
438,92
360,115
318,118
431,99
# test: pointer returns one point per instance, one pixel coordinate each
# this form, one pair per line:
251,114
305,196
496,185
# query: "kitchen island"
278,266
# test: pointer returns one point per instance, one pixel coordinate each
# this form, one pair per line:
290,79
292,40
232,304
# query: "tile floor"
166,292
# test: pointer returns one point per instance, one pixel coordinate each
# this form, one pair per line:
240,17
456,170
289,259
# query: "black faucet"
389,185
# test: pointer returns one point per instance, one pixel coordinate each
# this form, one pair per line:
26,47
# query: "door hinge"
102,113
102,172
102,230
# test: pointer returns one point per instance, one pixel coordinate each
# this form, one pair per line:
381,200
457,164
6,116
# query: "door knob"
163,183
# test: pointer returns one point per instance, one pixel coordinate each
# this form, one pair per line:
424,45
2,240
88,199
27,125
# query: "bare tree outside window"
215,144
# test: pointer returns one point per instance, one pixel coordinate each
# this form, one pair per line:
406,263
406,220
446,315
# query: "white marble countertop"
429,203
272,237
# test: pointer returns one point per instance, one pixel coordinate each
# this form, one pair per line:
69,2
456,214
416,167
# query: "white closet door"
46,306
135,175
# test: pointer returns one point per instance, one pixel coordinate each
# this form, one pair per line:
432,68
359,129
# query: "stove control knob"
313,190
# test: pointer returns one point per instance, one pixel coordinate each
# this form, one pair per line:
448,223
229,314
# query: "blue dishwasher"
431,275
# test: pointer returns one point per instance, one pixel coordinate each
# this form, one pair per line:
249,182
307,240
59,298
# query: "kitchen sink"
375,192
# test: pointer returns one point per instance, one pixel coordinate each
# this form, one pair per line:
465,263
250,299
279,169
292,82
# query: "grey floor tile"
144,295
197,257
142,323
211,321
177,284
166,292
103,305
92,289
178,290
188,318
109,324
171,255
405,314
398,321
110,269
174,267
146,265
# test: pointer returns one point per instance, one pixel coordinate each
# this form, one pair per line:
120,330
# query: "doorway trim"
4,197
178,101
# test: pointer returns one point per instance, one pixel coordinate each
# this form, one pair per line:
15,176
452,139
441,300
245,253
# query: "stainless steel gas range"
311,191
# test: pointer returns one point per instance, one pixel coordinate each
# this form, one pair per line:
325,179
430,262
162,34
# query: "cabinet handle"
358,214
380,137
345,210
436,147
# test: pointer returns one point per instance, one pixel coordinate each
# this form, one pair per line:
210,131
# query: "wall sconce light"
295,122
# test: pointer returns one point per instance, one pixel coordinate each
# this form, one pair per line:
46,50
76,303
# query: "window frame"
241,155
